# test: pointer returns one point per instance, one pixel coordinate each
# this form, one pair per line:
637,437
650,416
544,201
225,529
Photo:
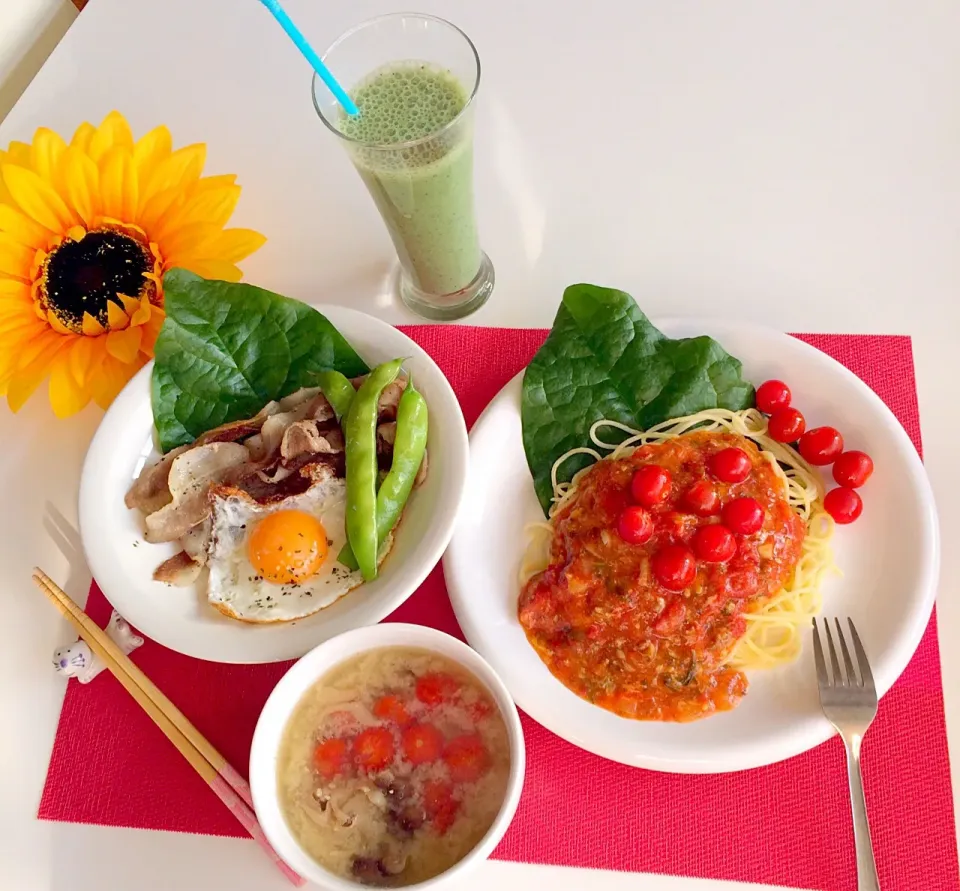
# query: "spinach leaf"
603,359
227,349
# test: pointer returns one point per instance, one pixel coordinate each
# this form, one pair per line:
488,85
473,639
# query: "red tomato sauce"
606,628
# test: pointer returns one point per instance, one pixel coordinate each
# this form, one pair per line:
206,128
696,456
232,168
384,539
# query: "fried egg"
278,562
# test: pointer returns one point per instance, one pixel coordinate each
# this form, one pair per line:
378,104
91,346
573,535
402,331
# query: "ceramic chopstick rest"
78,661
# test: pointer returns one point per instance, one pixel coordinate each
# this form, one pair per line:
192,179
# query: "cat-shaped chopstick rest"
78,661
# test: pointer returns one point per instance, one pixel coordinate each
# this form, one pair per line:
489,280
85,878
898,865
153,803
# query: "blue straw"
294,33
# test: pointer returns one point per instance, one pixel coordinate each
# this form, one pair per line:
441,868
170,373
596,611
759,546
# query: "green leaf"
603,359
225,350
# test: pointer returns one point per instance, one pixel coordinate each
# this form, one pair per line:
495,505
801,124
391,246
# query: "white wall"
29,30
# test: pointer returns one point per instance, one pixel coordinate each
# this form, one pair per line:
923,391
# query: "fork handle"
866,866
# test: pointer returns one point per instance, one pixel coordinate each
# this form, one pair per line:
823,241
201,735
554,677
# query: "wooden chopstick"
228,785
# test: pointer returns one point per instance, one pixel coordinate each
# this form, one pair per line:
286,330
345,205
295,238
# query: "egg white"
234,586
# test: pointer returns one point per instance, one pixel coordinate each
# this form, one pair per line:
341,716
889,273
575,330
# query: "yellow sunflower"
87,230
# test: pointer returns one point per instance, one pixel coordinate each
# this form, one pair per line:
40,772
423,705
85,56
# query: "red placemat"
787,824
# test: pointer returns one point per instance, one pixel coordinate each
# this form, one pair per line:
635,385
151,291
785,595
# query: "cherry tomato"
435,689
743,515
672,617
820,446
674,567
330,757
650,485
373,749
714,543
730,465
422,744
853,469
702,499
772,395
391,708
843,504
635,525
440,805
786,425
466,758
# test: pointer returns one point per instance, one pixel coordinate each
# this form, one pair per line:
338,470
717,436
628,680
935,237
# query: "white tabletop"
791,163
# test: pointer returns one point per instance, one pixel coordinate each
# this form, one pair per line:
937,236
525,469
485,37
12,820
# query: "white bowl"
295,683
180,618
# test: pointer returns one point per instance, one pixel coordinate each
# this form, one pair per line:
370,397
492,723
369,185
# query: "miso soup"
393,766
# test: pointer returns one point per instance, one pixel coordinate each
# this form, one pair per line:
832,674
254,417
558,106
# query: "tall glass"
423,186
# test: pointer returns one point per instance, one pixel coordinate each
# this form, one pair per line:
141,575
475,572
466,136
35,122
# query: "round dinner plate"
180,618
889,561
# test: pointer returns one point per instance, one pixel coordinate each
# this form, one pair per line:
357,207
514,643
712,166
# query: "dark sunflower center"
81,276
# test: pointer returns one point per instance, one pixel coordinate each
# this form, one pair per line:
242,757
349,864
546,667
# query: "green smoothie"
424,191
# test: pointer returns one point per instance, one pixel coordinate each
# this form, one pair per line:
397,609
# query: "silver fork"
850,704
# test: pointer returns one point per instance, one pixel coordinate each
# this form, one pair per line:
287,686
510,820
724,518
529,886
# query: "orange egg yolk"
287,547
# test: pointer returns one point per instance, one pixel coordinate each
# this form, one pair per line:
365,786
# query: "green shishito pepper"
409,447
339,392
361,452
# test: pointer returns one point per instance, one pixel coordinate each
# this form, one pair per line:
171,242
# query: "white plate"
889,559
180,618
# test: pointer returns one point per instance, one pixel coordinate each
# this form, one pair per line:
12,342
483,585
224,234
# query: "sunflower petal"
37,198
129,304
155,210
118,184
111,377
212,206
81,180
22,228
181,169
11,288
33,367
213,183
45,154
142,315
150,150
56,324
235,244
113,132
117,319
124,345
15,259
67,396
214,269
83,135
190,240
19,323
11,351
91,327
150,331
84,353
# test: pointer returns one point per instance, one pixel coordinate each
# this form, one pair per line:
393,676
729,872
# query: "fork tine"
852,678
838,678
862,660
823,679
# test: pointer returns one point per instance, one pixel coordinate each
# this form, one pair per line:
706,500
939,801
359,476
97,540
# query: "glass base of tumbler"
448,307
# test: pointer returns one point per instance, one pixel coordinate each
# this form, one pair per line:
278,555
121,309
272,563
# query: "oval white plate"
180,618
889,559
